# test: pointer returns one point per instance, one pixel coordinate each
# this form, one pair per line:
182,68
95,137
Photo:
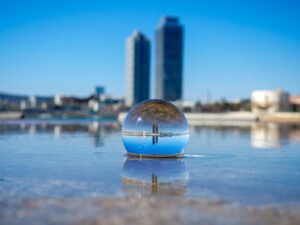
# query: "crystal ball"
155,128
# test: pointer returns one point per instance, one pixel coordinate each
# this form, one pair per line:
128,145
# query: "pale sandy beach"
147,211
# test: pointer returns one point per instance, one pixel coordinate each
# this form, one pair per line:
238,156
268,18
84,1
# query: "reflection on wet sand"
96,129
269,135
262,135
142,177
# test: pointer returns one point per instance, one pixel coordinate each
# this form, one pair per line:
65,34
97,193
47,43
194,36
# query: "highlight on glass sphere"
155,128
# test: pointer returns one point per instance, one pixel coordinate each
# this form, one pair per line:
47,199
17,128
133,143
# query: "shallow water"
249,164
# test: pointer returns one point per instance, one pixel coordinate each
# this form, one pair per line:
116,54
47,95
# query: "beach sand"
142,211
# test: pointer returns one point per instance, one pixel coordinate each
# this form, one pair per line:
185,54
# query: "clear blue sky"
231,47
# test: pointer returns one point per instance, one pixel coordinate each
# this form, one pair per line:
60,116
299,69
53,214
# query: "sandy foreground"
133,210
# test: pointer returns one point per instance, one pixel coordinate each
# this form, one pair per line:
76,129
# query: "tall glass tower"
169,59
137,68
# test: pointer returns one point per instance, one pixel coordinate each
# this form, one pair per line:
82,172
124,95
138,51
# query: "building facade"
169,59
137,68
268,101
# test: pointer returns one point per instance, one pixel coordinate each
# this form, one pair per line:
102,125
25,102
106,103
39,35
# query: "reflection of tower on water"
154,134
154,176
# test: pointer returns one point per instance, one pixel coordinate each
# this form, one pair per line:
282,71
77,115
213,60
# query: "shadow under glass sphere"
155,128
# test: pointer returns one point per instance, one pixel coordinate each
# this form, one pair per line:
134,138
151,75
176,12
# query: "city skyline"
231,48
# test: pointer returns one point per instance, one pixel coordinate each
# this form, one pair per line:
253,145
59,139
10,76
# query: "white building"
58,99
269,101
94,105
184,104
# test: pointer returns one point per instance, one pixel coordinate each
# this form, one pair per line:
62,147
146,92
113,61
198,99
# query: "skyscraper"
137,68
169,59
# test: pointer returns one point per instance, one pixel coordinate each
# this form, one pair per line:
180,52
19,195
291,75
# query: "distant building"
58,100
269,101
94,105
183,105
40,102
75,103
99,91
137,68
23,105
169,59
13,102
295,103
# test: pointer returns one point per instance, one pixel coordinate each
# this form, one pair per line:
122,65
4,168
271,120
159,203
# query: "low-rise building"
295,103
268,101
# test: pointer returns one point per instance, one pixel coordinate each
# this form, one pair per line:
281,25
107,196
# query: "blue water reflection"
254,163
154,176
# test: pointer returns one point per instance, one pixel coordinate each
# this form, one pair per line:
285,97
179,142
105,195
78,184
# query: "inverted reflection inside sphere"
155,128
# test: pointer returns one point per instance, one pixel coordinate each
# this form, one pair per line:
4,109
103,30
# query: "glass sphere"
155,128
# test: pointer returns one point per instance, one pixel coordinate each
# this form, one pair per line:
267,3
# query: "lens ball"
155,128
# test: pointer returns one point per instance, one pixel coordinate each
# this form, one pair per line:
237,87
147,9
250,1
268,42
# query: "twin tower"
168,60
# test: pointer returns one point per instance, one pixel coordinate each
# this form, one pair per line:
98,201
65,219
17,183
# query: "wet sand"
147,211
